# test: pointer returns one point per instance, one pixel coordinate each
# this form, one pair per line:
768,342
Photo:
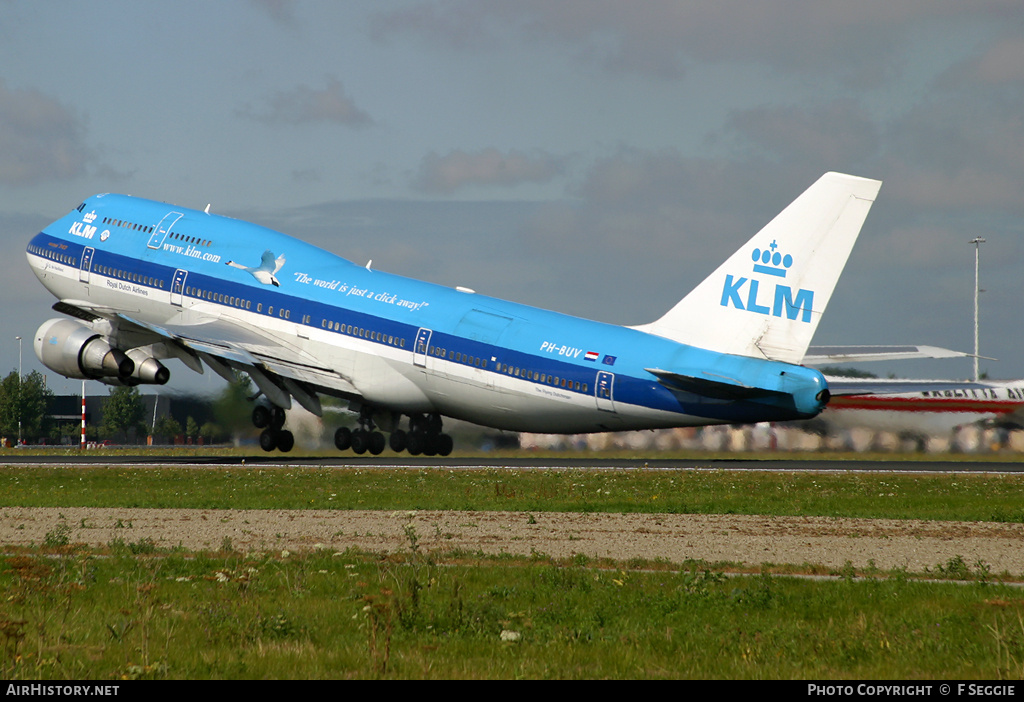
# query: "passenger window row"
515,371
545,378
177,236
236,302
125,224
189,239
458,357
361,333
54,255
129,276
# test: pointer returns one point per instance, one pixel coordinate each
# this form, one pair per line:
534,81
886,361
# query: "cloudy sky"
598,157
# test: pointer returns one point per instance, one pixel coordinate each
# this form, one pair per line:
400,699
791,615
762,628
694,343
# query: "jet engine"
76,351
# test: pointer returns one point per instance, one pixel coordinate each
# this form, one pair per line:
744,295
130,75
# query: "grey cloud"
861,42
305,105
652,179
281,11
463,26
1002,63
960,148
306,176
830,136
459,169
40,139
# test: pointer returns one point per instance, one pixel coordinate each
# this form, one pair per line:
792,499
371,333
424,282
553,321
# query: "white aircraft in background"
918,407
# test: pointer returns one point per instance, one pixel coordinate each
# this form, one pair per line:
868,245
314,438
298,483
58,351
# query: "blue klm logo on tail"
773,263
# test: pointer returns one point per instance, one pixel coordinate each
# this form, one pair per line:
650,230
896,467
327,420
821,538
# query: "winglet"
766,300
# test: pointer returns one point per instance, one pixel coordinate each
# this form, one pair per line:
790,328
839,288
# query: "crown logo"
771,261
90,218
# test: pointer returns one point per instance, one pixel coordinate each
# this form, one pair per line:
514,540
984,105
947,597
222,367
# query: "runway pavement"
961,464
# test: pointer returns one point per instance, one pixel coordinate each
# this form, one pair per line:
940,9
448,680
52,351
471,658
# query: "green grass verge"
964,496
131,611
355,615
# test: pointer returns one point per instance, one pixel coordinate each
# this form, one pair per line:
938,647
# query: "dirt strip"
753,540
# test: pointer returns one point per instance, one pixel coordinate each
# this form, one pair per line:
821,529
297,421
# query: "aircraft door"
156,239
420,346
603,391
178,286
86,269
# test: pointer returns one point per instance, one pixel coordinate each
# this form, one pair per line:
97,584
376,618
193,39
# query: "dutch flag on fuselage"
592,356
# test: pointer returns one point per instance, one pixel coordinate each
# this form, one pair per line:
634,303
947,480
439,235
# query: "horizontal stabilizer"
817,355
725,389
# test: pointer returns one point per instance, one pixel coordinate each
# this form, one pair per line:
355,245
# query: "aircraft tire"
277,417
445,444
434,424
398,440
343,439
268,439
414,443
285,441
430,445
376,443
360,442
260,416
417,424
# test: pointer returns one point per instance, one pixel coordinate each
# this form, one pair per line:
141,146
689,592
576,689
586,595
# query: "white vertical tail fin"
766,300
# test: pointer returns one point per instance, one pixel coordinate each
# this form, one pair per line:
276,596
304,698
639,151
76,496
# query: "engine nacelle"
75,351
148,370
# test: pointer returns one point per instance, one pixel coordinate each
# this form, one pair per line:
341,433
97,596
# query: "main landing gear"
424,437
273,436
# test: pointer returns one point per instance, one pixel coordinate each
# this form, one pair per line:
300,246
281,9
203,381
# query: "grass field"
130,610
948,496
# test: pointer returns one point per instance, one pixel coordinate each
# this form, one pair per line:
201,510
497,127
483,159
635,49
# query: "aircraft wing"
818,355
271,361
247,346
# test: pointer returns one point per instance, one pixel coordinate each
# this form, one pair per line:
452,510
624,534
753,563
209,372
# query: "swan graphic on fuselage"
266,272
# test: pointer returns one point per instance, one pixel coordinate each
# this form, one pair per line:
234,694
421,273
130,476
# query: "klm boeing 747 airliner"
142,281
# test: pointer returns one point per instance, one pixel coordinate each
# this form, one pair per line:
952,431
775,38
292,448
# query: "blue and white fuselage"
148,281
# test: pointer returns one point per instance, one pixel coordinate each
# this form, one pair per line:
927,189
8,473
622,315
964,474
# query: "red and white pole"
82,446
